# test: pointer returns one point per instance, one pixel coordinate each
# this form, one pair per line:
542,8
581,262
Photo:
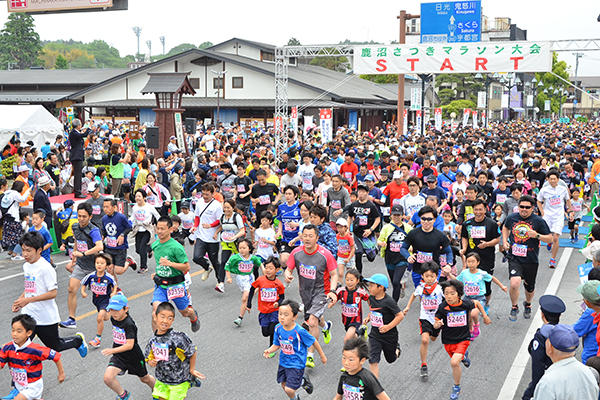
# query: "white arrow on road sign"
452,19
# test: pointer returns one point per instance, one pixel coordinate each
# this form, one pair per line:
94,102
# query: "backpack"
64,225
5,205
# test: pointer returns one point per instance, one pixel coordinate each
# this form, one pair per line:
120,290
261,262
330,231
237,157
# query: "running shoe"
143,270
476,331
549,246
403,290
69,323
527,310
205,274
466,360
17,257
310,362
424,371
13,393
455,395
238,321
125,396
83,349
150,253
307,385
487,310
220,287
196,323
96,342
327,332
513,313
132,263
552,263
362,331
504,259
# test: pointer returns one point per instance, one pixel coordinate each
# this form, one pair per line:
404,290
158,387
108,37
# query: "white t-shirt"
143,215
187,220
322,191
554,200
208,213
210,142
412,204
429,304
455,186
264,250
40,278
306,172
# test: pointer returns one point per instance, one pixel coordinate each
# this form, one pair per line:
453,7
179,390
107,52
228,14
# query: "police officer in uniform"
552,307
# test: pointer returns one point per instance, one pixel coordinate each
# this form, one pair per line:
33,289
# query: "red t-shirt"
596,320
395,192
268,293
349,171
345,244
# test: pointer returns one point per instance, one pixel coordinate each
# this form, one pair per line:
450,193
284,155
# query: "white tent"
32,122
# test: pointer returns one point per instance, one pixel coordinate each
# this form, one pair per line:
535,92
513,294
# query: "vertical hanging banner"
504,100
475,125
325,120
415,99
467,113
179,132
438,119
419,121
529,100
547,105
308,121
481,97
405,127
483,119
294,122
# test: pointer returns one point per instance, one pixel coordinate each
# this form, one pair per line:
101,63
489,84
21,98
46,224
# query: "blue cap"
379,279
167,154
370,178
562,337
117,302
68,203
552,305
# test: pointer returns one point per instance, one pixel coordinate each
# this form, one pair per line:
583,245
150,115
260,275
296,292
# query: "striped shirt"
26,360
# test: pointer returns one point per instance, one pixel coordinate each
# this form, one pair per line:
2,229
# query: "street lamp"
488,81
220,82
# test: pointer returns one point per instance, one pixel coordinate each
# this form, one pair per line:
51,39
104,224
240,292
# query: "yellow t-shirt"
273,179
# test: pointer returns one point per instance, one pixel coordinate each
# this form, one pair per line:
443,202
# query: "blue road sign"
451,22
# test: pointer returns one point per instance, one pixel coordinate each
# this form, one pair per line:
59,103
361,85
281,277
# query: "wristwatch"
538,236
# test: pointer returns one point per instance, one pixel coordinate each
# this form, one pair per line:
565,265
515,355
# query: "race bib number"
241,188
336,204
288,226
245,266
478,232
362,220
287,347
471,289
500,198
161,351
385,211
446,184
344,247
269,295
96,210
348,175
397,202
457,319
264,199
119,335
98,288
29,284
140,215
516,209
349,310
307,180
351,392
423,257
576,207
443,260
111,241
519,250
429,303
395,247
176,291
263,245
151,200
19,375
187,224
227,235
376,319
82,246
308,271
554,200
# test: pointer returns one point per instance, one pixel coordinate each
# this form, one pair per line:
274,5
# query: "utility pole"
138,31
162,41
403,17
149,43
577,55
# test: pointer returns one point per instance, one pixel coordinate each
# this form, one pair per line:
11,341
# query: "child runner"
346,248
351,297
38,226
174,356
126,353
577,204
271,295
103,287
242,265
24,358
264,238
449,226
294,341
430,293
357,382
187,220
384,316
452,318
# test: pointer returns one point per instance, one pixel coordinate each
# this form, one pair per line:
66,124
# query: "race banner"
326,122
294,122
419,121
475,125
504,100
438,119
483,119
467,113
481,97
405,128
308,121
453,58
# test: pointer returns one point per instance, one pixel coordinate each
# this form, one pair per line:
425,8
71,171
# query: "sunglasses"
428,219
526,207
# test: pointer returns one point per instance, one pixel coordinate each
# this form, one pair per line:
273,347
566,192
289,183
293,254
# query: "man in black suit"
41,201
76,139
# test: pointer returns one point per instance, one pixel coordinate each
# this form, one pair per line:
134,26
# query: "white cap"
342,221
91,187
397,175
589,251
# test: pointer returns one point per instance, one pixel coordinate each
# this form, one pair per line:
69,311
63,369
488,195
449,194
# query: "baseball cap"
91,187
167,154
185,204
172,138
562,337
589,251
342,221
362,186
590,291
397,210
397,175
213,164
552,305
379,279
117,302
68,203
370,177
430,178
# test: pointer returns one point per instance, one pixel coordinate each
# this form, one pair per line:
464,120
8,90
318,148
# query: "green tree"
381,79
205,45
465,85
19,42
61,62
446,95
294,42
560,69
457,106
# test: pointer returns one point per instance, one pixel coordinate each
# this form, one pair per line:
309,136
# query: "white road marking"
21,273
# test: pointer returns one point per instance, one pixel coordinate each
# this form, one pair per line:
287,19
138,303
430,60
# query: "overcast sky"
310,21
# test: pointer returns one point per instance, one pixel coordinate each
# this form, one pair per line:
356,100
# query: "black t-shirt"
364,216
476,232
363,385
382,312
465,212
382,184
54,171
242,185
426,246
316,181
524,249
393,245
122,331
456,321
265,194
539,177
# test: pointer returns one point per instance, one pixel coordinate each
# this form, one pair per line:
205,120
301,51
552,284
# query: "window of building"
195,83
267,56
237,82
217,83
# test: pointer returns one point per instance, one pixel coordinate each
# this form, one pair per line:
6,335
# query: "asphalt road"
231,356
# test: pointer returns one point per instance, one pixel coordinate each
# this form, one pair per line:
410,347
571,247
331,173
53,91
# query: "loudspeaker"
190,125
152,137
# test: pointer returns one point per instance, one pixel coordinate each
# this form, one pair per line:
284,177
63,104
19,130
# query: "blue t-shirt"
474,283
113,227
294,345
127,171
437,224
586,329
285,215
45,149
47,239
444,181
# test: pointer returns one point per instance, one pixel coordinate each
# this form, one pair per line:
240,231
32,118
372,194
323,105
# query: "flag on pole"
294,122
467,113
419,121
405,127
325,121
483,117
475,125
438,119
308,121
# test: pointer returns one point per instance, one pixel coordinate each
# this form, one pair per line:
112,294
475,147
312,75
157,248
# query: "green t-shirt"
239,266
172,251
